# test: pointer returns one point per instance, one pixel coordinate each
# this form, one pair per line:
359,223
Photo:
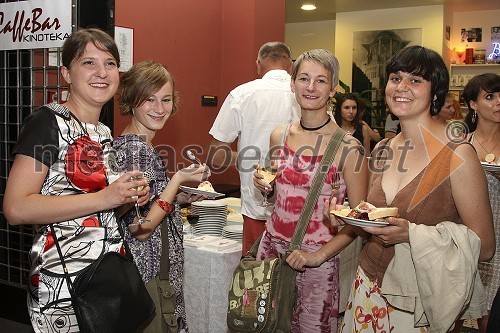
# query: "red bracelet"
166,206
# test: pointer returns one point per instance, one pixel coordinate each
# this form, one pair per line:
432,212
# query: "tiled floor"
9,326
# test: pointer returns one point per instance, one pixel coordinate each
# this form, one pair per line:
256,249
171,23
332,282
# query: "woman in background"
483,119
64,175
348,117
148,96
482,96
450,109
405,275
314,80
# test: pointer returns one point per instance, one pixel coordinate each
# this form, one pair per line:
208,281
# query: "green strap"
317,184
164,259
312,195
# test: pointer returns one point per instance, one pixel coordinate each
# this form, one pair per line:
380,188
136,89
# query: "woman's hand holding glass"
263,179
137,178
124,191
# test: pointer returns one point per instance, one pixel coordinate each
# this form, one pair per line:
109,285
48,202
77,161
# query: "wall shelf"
474,65
461,74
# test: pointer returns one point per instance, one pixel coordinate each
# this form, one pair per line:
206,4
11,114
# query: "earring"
474,116
433,107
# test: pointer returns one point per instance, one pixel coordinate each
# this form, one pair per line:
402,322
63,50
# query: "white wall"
306,36
447,21
476,19
428,18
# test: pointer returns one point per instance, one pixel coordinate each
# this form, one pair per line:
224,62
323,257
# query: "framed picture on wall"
471,35
124,38
371,51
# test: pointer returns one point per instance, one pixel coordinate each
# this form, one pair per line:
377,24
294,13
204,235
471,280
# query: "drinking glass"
140,219
136,166
268,170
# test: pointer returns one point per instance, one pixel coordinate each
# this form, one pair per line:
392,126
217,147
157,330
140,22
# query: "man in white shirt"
250,112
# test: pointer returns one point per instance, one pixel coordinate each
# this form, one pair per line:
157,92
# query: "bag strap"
164,259
63,263
317,184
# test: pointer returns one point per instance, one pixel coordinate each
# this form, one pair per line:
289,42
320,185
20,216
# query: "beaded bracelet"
166,206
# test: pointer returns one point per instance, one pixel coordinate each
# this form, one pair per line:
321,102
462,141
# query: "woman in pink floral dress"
301,147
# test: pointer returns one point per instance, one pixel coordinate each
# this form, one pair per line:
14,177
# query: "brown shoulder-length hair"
76,43
339,100
142,81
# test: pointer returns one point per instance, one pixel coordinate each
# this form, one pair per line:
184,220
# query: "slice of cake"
206,186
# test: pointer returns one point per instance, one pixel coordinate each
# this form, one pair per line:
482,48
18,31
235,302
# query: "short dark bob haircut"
427,64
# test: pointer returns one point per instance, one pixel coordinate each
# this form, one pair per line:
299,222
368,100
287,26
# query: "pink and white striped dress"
292,186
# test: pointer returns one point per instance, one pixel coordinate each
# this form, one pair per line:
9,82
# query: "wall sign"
124,38
34,24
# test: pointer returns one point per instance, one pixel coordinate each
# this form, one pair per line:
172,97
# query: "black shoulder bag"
109,295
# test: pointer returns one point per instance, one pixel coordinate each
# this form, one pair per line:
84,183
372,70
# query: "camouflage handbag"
262,294
257,298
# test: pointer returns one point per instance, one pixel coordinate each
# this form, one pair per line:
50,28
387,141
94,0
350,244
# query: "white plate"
235,217
231,201
208,205
192,190
234,228
361,223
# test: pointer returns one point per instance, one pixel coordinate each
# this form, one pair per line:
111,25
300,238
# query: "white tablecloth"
207,277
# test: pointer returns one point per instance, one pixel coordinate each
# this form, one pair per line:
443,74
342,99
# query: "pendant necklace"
490,157
314,128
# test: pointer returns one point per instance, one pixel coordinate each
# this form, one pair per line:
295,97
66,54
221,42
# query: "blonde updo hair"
142,81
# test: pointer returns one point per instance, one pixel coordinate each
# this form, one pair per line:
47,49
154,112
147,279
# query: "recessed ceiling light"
308,7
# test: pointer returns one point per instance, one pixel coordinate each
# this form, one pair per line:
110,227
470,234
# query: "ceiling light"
308,7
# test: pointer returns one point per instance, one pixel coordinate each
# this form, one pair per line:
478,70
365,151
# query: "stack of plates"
212,217
234,219
234,232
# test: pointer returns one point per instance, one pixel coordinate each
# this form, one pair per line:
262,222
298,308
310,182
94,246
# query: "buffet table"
207,276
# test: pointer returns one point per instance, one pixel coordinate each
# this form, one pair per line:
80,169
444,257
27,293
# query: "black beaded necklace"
314,128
